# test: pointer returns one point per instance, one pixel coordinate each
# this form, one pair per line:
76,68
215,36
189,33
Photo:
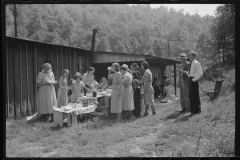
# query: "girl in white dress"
78,86
63,89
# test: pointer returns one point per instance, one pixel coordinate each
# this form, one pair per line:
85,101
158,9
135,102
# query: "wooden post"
15,19
57,63
15,108
70,54
163,81
75,65
61,58
7,79
27,79
175,81
66,53
51,57
20,67
92,46
35,78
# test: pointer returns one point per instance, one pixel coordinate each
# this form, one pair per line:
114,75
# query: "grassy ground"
210,133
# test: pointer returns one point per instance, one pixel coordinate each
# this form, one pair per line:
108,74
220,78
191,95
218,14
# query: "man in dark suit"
194,74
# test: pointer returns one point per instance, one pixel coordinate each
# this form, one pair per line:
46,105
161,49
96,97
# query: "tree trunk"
15,19
223,56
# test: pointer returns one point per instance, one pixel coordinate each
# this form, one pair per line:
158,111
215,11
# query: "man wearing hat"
184,84
194,74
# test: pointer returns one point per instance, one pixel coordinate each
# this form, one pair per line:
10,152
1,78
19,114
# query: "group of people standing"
189,74
128,87
46,93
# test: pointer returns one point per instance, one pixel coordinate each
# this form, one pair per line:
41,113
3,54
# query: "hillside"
137,29
209,134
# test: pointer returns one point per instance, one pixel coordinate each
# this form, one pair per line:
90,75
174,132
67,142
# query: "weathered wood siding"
23,63
110,57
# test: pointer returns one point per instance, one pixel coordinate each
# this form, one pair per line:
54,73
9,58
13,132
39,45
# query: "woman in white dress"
116,99
46,93
127,91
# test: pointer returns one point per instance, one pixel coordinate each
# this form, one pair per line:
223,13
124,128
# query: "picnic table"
75,109
71,114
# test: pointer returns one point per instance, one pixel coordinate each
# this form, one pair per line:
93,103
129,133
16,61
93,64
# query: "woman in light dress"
46,92
116,99
148,89
127,91
63,89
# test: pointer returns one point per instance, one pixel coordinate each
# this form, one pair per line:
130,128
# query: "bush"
213,72
226,72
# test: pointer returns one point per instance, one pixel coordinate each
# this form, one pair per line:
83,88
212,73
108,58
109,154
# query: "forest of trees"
137,29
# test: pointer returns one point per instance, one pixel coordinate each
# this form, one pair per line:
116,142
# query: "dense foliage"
137,29
223,33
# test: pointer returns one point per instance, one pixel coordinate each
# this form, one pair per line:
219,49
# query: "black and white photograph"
119,80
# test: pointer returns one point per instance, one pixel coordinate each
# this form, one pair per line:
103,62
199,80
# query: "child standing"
166,84
70,90
103,84
77,89
63,89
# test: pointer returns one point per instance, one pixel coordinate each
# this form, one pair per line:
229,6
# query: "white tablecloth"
77,111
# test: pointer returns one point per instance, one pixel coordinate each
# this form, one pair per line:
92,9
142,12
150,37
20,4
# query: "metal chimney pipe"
94,32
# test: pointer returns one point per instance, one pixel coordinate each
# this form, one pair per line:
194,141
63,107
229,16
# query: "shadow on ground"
55,128
182,119
173,115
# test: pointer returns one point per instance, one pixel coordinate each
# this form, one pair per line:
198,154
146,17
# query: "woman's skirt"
62,97
149,96
46,99
116,101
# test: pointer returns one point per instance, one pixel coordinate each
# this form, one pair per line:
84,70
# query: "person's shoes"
49,118
145,114
182,111
154,113
132,118
192,114
198,112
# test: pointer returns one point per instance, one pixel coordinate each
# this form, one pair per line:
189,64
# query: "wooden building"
23,61
157,65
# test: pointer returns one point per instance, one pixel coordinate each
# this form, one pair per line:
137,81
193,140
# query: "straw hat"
192,52
183,55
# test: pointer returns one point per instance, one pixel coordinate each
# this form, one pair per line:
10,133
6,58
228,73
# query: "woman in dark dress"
137,90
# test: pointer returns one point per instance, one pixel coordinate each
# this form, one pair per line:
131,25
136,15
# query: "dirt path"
135,147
